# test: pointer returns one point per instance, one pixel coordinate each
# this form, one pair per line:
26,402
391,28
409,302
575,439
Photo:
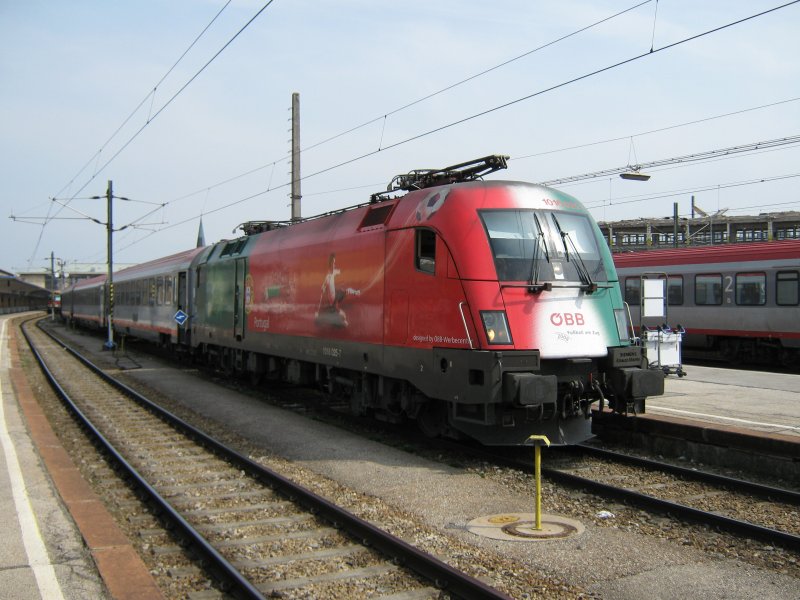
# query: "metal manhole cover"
521,527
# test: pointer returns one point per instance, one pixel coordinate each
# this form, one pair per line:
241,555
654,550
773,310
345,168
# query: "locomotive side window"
751,289
787,288
425,255
708,290
633,290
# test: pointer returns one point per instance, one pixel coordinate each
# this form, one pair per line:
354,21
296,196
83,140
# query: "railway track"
743,508
256,532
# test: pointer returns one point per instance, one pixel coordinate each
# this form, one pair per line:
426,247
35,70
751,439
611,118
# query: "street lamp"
634,175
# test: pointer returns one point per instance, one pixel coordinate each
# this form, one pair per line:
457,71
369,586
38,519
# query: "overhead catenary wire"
502,106
150,119
507,104
687,158
150,94
651,131
698,189
186,85
551,88
447,88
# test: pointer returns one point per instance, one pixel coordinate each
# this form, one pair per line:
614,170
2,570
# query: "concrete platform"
59,541
730,418
733,397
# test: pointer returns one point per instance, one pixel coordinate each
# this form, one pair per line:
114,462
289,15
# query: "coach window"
751,289
787,288
160,291
675,290
151,293
425,256
633,286
707,290
168,290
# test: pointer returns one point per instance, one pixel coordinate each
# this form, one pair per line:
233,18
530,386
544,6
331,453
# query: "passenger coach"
741,300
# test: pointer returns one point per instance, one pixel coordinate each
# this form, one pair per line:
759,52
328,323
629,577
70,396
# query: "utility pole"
296,157
675,224
52,286
110,281
110,250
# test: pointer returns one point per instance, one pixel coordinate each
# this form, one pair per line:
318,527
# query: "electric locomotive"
486,309
481,309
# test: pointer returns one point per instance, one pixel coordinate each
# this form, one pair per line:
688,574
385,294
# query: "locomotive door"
239,298
426,300
182,337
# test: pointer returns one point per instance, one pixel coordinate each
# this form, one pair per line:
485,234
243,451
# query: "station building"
700,230
17,295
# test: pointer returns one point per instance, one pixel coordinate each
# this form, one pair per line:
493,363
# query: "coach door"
238,305
181,303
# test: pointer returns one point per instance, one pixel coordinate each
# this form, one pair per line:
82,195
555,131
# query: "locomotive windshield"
534,246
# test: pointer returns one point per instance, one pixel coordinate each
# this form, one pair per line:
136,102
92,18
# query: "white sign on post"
654,298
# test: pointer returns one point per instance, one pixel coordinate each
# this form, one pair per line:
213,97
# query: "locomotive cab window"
787,288
529,245
751,289
425,255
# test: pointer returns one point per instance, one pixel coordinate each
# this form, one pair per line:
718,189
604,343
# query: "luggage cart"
663,347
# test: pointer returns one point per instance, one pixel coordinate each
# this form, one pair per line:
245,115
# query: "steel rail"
429,567
220,566
773,536
673,509
740,485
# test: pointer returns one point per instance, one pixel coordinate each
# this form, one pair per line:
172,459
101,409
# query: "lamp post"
634,175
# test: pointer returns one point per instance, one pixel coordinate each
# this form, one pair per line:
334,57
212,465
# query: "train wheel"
432,418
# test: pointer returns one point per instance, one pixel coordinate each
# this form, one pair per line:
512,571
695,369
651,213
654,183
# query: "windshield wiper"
534,285
588,286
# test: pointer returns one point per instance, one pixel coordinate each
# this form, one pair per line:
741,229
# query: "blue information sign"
181,317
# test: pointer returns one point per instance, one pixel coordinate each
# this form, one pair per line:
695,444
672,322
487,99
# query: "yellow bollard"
537,441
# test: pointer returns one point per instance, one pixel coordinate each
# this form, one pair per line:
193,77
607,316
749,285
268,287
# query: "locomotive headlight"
495,324
621,316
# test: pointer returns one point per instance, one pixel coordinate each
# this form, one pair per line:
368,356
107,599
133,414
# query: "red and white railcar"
741,300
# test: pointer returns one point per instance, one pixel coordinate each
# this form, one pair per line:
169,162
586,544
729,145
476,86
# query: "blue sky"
72,72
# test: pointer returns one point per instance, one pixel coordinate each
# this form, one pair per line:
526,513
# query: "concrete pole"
52,286
110,281
296,157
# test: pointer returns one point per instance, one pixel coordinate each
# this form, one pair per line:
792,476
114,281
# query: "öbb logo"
569,319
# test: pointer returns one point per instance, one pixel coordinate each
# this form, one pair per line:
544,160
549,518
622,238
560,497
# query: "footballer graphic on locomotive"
486,309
